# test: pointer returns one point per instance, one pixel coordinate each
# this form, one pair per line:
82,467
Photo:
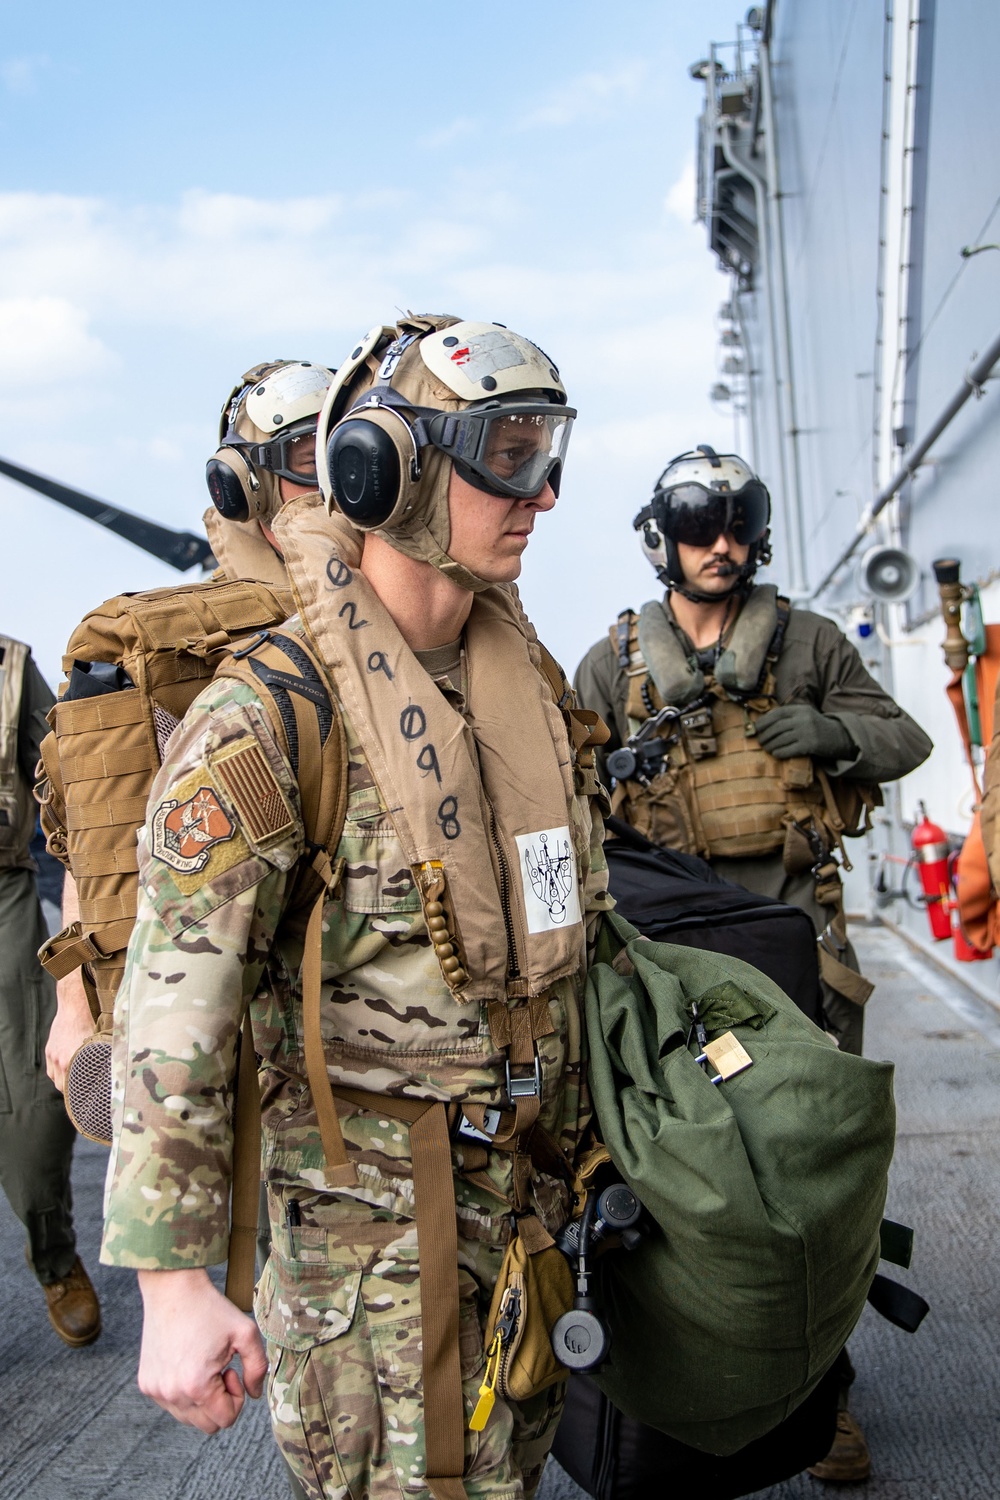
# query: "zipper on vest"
513,964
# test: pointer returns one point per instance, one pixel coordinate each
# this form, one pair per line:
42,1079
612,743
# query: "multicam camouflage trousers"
339,1306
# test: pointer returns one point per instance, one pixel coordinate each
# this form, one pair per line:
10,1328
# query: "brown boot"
74,1310
848,1460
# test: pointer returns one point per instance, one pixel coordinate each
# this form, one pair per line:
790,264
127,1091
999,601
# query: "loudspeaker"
888,574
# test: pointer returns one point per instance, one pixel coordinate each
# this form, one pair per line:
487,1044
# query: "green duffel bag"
766,1190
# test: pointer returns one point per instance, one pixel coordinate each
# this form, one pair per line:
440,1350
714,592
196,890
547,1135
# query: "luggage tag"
726,1054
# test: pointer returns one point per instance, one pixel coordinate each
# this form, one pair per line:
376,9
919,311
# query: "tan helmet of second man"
266,433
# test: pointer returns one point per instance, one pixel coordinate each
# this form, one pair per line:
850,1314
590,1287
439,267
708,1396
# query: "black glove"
800,729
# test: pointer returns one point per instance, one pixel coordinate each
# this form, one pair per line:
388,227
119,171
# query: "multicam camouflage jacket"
214,935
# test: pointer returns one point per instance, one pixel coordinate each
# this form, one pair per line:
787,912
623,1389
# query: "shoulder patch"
256,796
187,827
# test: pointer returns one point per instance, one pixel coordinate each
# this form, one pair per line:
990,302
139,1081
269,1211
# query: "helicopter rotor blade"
181,549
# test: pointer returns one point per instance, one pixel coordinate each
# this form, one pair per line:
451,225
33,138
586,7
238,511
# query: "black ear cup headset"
373,451
234,486
580,1339
243,475
233,482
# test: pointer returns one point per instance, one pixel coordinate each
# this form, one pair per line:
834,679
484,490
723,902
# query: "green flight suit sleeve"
209,906
888,743
36,700
601,684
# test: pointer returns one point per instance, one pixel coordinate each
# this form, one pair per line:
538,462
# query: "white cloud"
446,135
161,307
680,201
46,341
220,216
587,96
19,75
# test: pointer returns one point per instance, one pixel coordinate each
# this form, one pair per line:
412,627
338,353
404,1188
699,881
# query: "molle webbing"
100,760
737,800
742,794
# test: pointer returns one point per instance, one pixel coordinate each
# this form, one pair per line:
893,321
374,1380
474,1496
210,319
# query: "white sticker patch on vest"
486,353
548,878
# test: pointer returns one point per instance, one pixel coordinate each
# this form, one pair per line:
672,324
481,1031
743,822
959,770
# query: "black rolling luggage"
677,898
614,1458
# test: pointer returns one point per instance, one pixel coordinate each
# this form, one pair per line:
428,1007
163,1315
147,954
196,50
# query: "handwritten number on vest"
448,819
412,722
351,610
427,761
377,662
338,573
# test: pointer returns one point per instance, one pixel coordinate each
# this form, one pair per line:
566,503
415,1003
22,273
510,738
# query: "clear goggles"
513,448
695,515
289,455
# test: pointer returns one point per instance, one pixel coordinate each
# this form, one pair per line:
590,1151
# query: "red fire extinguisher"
930,849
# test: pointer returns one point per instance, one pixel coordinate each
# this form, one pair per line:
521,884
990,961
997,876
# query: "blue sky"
187,190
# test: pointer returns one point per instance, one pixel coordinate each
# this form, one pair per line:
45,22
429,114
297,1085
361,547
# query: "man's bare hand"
190,1334
71,1027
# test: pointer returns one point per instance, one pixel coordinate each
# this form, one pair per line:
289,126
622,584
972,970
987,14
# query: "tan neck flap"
484,799
242,550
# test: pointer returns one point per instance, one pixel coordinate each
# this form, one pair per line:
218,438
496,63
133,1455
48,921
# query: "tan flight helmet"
266,434
433,391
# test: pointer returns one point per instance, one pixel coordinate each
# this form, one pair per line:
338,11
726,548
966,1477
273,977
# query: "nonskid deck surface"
74,1424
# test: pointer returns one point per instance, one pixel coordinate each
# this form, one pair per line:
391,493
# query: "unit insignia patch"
185,833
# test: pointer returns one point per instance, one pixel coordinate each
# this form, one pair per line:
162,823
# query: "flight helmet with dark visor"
700,496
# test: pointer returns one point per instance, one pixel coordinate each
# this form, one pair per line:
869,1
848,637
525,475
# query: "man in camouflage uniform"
36,1137
452,963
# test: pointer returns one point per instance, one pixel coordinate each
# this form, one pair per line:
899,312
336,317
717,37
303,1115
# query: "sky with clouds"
188,190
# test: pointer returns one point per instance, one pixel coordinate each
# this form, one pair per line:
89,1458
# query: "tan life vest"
720,793
17,810
495,846
105,747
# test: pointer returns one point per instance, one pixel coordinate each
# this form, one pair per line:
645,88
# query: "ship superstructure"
847,180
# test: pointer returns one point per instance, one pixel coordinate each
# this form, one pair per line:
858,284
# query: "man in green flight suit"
437,989
36,1137
745,731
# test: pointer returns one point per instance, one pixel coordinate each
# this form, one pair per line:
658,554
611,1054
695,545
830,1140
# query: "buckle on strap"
65,951
524,1088
252,644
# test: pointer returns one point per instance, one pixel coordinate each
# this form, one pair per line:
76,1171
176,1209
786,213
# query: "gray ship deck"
74,1424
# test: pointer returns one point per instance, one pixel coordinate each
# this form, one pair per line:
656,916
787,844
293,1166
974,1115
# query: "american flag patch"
253,790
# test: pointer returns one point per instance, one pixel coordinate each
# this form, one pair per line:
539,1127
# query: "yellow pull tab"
484,1406
487,1391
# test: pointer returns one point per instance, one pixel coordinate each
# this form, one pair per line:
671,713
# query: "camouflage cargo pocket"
301,1304
377,878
